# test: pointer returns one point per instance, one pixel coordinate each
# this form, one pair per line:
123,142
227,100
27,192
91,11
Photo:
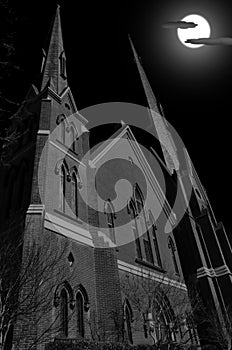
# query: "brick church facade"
87,247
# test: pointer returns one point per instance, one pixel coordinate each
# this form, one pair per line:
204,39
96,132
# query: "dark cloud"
179,24
211,41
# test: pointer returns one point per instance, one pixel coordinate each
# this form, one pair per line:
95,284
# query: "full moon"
202,30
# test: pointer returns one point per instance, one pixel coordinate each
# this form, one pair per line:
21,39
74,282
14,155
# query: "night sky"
193,86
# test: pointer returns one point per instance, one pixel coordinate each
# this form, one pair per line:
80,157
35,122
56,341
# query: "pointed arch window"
128,317
163,315
110,217
73,139
62,188
63,72
153,230
74,194
140,210
161,330
172,247
148,249
62,130
80,314
147,243
64,312
133,213
139,200
71,259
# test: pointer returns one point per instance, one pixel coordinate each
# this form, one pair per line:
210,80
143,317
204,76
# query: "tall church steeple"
167,144
54,67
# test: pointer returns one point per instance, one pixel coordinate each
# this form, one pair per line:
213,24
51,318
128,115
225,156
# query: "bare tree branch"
27,288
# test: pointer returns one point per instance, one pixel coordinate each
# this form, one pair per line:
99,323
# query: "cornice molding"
143,272
213,272
67,229
36,209
66,152
43,132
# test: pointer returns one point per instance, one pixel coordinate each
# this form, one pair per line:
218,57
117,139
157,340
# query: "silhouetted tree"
9,66
27,290
162,310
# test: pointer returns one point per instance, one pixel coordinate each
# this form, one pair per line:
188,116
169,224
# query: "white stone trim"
108,146
43,132
143,272
36,209
222,270
54,95
76,113
66,153
67,229
217,272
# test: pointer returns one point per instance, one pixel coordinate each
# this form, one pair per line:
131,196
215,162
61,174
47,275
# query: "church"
104,242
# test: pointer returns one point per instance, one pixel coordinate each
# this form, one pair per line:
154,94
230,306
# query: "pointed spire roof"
147,87
158,121
54,67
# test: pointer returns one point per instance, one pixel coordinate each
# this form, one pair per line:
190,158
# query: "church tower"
157,120
48,190
56,215
54,61
209,253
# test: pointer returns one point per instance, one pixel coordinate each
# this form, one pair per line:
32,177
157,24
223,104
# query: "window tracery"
110,217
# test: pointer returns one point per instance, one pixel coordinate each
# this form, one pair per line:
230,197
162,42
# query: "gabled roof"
106,146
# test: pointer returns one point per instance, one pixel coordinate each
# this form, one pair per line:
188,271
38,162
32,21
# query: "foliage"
90,345
29,273
93,345
9,67
162,308
219,328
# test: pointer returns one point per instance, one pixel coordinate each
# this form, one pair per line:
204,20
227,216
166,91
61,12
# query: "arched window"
172,247
73,139
163,317
63,65
80,313
147,241
64,312
74,194
139,200
62,188
128,316
191,328
161,325
110,217
140,212
133,213
153,230
62,130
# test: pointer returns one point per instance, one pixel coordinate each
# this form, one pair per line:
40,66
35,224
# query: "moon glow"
202,30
